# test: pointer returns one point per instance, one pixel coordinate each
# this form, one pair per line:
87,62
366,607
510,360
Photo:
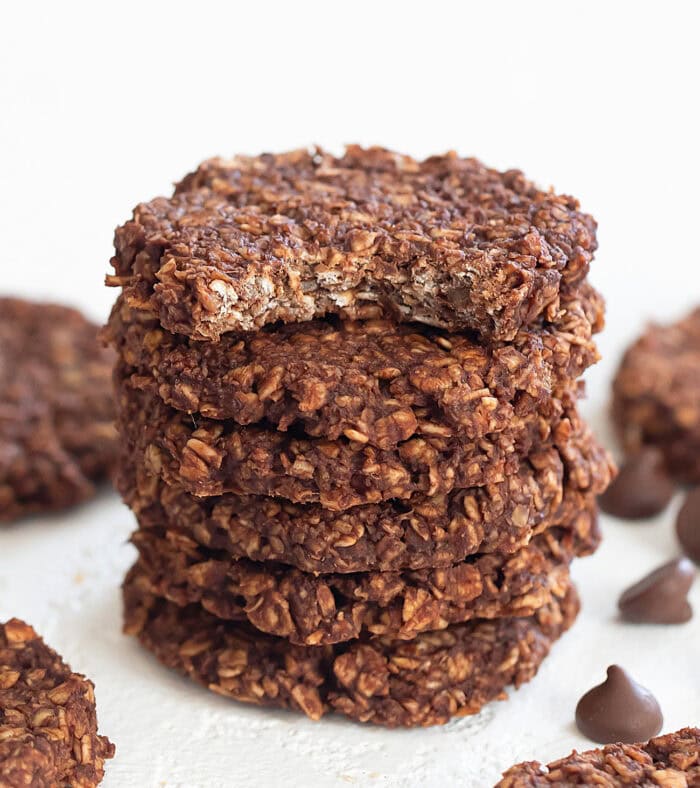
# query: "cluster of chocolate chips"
619,709
642,489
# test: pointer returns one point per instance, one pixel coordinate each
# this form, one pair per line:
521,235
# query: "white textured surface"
102,109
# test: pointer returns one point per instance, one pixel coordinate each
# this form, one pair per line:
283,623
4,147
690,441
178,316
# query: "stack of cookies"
346,397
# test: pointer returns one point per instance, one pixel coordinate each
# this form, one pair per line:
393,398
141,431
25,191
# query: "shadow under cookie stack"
346,397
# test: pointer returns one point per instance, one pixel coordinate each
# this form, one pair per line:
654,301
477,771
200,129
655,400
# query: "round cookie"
317,610
551,486
48,723
57,435
657,395
373,380
207,457
445,241
424,681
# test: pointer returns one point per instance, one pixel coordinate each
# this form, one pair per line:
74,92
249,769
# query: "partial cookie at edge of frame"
48,723
56,408
668,761
656,395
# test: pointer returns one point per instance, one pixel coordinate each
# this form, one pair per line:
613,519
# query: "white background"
105,104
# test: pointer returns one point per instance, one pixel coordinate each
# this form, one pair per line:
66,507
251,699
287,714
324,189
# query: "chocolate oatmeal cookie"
421,532
656,395
48,724
207,457
670,761
448,242
372,381
424,681
317,610
56,409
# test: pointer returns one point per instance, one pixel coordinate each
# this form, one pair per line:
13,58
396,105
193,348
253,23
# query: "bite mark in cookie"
295,236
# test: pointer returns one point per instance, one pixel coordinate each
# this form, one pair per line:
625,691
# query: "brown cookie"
657,395
48,724
424,681
549,487
317,610
56,409
291,237
207,457
670,761
373,381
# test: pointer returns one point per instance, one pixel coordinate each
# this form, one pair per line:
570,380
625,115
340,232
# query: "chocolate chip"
641,489
618,710
660,597
688,525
